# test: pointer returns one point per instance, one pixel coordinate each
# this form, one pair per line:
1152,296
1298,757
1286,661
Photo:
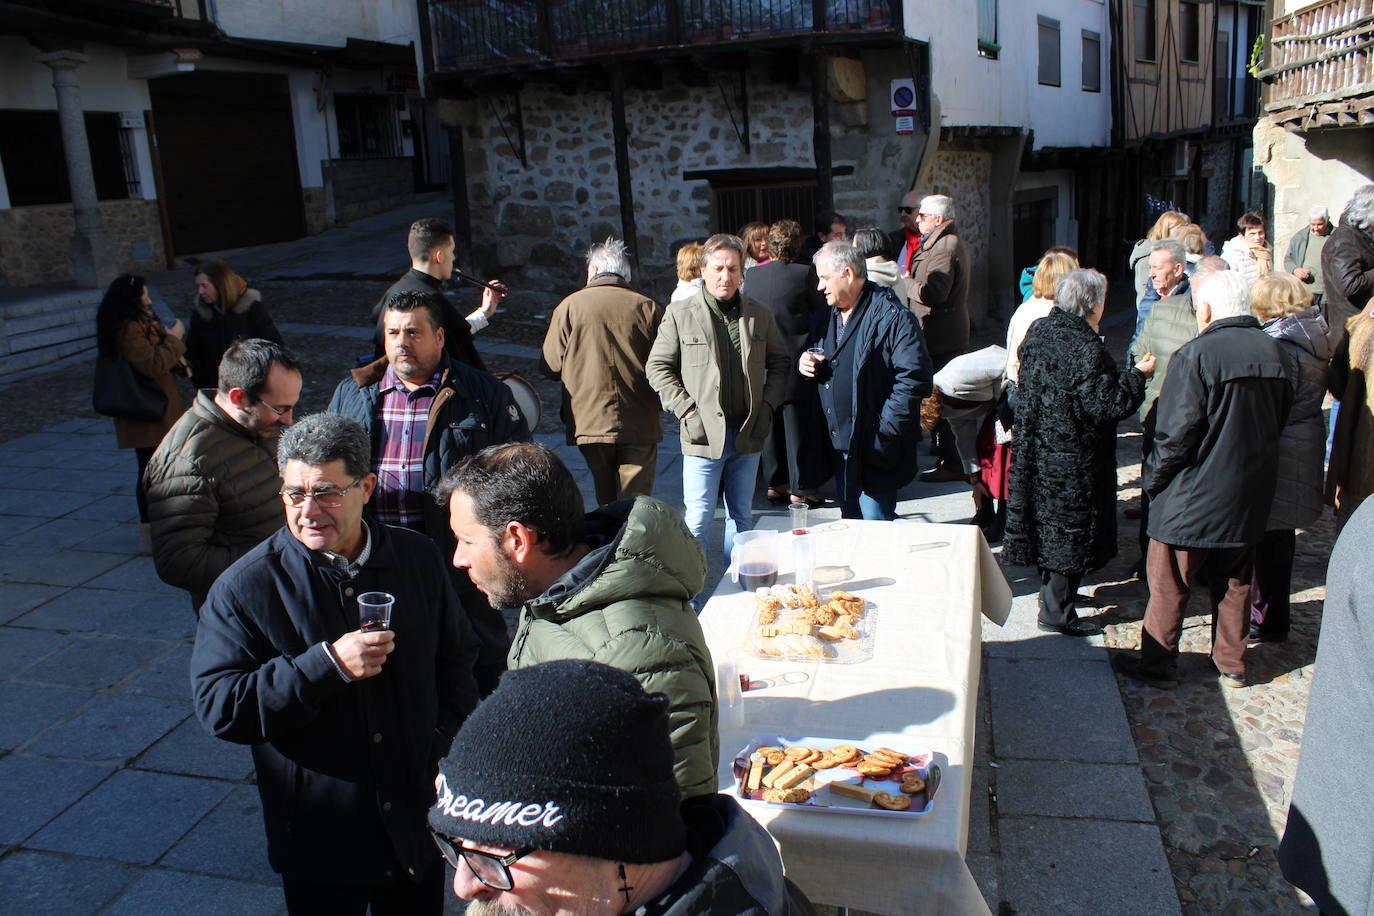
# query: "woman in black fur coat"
1061,513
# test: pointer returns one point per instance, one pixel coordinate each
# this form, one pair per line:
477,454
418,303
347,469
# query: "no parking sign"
902,96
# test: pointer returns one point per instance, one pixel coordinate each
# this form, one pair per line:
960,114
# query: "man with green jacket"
720,366
614,586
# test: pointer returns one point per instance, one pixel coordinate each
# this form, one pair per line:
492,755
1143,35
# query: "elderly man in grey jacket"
720,366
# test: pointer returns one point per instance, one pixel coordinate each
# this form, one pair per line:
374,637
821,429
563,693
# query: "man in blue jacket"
874,372
346,725
425,411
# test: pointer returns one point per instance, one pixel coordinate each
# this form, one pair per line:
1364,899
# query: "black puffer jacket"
346,770
213,330
1347,275
212,496
1061,512
1213,468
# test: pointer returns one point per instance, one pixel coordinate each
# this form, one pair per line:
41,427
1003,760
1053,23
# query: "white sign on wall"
906,124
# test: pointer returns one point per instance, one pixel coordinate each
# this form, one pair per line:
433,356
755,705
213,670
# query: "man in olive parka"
614,586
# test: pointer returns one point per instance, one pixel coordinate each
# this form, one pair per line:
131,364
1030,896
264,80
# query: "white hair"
1080,292
1225,292
836,256
938,205
1177,253
1359,211
609,257
1319,212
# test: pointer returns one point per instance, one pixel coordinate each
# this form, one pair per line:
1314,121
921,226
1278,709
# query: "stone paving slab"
1057,710
120,613
100,824
50,787
94,662
18,598
58,533
1070,789
58,567
168,677
117,507
30,708
138,575
36,882
984,869
21,648
229,842
1084,868
188,750
118,538
199,894
110,727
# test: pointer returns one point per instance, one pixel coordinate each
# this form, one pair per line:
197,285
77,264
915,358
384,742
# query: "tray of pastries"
829,774
799,623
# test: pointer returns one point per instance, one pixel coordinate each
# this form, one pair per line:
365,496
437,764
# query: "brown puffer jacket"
212,496
940,274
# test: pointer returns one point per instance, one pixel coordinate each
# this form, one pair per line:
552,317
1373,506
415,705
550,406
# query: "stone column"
92,249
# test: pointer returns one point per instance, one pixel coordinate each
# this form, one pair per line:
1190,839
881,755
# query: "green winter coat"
1172,323
627,604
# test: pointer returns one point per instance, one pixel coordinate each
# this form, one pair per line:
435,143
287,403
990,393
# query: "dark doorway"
228,155
1033,213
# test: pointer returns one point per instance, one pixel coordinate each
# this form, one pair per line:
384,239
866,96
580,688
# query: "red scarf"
913,245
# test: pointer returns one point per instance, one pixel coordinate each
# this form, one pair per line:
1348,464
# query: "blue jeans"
872,505
701,481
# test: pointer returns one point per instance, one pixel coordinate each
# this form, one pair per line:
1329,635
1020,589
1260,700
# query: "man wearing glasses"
346,725
558,797
212,483
906,241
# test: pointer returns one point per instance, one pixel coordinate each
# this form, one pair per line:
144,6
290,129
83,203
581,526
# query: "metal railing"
474,34
1321,53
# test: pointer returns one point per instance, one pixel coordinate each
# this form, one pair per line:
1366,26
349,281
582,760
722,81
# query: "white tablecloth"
921,686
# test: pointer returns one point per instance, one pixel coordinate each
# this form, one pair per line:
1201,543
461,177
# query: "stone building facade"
34,241
532,224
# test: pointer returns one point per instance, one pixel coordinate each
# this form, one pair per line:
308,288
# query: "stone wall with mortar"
1320,167
963,170
317,216
362,187
34,241
532,225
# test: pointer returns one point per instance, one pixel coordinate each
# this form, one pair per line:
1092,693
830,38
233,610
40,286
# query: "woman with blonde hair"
1284,307
688,271
1194,242
225,310
1140,254
1053,267
755,237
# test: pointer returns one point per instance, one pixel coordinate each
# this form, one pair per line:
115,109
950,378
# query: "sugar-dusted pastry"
892,802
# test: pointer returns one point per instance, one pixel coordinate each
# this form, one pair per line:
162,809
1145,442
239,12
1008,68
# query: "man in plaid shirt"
426,412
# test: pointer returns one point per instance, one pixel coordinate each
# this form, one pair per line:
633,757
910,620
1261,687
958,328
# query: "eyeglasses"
492,870
906,209
279,411
329,499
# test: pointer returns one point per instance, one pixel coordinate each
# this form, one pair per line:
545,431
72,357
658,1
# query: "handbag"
126,394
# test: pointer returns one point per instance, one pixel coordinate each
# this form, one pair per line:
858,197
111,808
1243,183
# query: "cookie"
913,784
890,802
773,755
873,770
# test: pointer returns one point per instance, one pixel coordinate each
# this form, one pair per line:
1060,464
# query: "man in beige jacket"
597,344
720,366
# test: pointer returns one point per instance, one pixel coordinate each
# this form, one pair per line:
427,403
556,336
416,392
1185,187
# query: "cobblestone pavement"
1219,763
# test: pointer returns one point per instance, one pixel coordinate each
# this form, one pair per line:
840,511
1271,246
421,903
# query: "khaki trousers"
621,471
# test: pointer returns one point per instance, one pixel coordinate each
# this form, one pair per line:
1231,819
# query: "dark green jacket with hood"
627,604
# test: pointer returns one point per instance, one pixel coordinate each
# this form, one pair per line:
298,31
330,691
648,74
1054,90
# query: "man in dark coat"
1348,263
425,412
1328,845
940,271
431,248
1061,512
1211,478
784,289
346,725
870,382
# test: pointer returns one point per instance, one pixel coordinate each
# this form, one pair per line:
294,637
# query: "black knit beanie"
567,756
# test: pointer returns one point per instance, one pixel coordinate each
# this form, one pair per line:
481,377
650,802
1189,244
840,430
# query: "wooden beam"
622,167
820,136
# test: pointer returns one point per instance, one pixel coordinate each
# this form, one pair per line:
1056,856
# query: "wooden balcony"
1320,72
505,35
